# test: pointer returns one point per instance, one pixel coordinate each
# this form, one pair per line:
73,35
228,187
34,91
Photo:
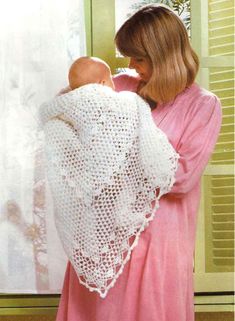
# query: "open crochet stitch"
108,165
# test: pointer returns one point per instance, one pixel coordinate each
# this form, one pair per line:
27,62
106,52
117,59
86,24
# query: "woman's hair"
155,32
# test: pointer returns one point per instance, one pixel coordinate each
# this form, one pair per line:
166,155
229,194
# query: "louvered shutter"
214,259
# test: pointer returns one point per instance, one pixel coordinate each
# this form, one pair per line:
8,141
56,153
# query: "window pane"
219,219
221,82
221,28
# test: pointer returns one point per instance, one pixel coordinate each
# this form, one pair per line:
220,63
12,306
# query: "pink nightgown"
157,282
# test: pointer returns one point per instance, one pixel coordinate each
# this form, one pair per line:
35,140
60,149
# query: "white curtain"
38,41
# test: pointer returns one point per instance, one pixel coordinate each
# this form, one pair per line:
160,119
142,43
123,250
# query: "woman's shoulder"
198,100
197,96
126,81
198,93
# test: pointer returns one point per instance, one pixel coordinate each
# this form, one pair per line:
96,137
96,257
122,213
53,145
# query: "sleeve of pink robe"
197,144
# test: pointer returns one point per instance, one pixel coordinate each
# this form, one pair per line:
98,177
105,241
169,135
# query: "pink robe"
157,282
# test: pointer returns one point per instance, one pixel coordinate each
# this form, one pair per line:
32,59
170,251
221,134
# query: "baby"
86,70
105,161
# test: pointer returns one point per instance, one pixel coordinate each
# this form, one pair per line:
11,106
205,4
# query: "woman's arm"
197,144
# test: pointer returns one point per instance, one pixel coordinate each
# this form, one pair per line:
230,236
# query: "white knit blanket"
107,172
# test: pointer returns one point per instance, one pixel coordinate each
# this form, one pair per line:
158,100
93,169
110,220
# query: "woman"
157,282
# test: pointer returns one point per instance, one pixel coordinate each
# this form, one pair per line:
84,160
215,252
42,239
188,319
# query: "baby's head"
86,70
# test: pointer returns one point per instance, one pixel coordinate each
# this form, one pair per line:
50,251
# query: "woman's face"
142,66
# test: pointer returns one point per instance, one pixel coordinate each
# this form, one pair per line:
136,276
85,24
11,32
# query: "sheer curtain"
38,41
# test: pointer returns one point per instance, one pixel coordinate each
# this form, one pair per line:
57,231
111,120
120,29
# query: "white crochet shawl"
107,172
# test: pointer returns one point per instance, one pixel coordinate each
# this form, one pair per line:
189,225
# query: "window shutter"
216,234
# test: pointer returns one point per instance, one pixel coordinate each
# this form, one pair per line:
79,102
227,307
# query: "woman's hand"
64,119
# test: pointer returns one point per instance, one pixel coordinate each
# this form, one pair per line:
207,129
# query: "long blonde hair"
157,33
